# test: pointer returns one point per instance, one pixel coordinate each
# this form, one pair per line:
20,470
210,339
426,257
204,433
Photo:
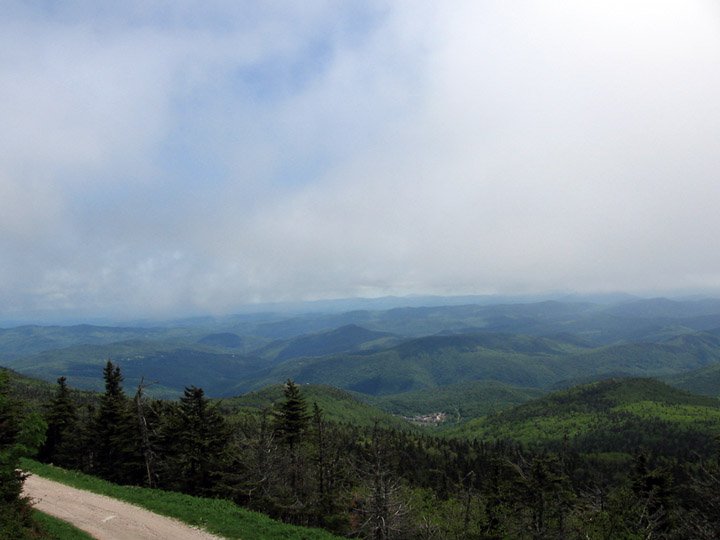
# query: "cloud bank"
180,159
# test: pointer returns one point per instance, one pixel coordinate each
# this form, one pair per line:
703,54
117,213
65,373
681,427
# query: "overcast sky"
174,157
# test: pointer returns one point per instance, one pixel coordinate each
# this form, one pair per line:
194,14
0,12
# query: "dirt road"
106,518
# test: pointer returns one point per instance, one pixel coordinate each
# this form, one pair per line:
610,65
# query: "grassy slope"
215,515
589,410
53,528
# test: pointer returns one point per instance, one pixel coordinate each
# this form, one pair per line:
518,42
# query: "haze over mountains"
536,346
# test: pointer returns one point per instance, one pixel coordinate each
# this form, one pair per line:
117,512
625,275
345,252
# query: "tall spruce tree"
291,423
291,417
116,454
195,443
61,418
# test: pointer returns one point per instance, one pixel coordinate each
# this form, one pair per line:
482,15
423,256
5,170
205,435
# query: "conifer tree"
196,439
10,479
291,418
61,418
20,435
116,453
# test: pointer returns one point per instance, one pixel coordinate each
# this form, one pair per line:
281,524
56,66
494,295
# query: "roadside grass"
53,528
217,516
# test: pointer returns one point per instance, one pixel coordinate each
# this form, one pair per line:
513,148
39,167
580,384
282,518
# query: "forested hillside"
544,346
644,449
437,422
617,415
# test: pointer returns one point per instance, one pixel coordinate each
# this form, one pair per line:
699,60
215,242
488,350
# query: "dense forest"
373,481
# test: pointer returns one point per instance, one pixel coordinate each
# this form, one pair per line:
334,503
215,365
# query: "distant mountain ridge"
386,352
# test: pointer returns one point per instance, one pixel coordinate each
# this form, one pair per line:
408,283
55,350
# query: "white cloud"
197,160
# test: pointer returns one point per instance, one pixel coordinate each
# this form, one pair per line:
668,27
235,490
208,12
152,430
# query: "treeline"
294,465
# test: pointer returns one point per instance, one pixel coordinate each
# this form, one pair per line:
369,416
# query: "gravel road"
105,518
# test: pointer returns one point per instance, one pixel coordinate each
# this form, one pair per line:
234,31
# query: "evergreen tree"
19,436
61,418
328,474
653,491
11,505
116,454
291,418
196,439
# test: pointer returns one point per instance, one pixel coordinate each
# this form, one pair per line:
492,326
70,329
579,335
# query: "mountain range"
536,347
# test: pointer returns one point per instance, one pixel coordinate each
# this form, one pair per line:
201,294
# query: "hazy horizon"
289,309
162,160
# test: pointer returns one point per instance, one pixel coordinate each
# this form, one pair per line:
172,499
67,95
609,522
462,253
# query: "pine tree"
61,418
20,435
291,422
328,475
116,455
196,439
291,418
654,493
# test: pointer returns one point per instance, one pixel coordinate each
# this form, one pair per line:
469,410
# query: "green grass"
218,516
56,529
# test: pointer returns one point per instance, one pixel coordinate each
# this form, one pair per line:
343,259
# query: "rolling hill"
616,415
461,401
346,339
335,404
538,345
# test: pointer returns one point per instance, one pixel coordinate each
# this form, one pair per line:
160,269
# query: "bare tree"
147,449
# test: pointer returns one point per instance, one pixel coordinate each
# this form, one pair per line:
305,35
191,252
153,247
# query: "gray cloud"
162,160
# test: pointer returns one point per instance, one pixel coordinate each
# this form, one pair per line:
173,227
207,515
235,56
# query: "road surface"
105,518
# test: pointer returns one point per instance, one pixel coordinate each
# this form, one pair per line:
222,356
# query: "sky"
172,157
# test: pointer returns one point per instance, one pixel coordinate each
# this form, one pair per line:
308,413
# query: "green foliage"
195,439
613,415
60,441
532,345
116,446
19,436
291,415
218,516
705,381
338,405
461,401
